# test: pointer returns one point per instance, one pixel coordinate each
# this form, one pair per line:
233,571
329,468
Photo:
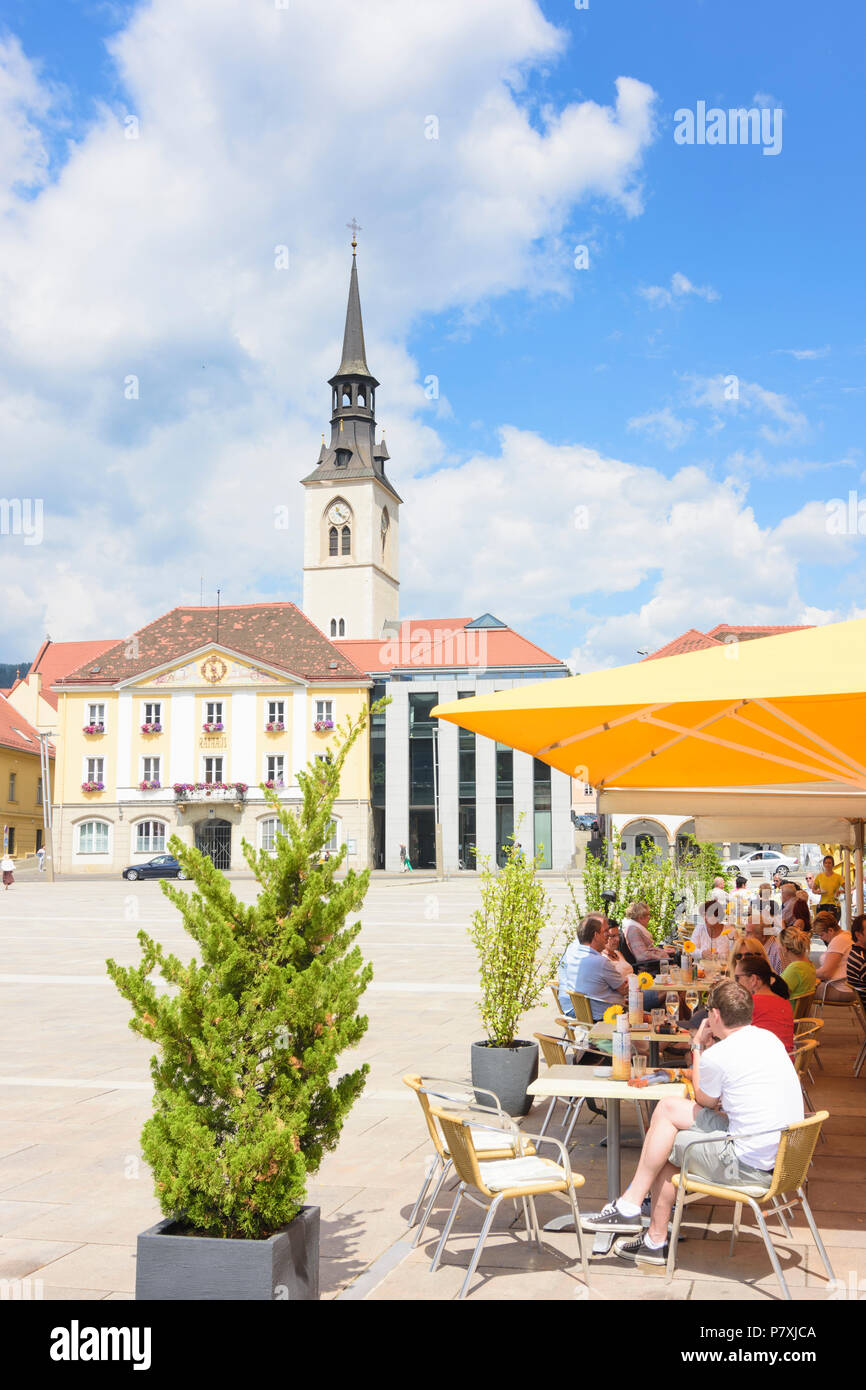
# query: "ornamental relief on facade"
214,670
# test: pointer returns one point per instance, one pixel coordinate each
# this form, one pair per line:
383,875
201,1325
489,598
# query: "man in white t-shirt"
744,1084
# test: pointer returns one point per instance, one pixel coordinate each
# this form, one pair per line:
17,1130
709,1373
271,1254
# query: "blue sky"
558,386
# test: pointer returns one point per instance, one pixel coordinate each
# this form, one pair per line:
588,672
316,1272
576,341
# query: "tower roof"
354,359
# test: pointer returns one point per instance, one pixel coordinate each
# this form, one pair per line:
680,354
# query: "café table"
570,1082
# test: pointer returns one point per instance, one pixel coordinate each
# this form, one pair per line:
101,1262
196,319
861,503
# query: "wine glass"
672,1005
692,999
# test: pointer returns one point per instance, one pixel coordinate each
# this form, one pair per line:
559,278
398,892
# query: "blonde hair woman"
798,972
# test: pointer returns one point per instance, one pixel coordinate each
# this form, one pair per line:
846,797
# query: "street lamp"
47,821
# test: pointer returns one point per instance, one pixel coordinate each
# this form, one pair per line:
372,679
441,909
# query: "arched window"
346,538
335,398
362,396
347,396
93,836
342,627
333,627
268,834
150,837
332,541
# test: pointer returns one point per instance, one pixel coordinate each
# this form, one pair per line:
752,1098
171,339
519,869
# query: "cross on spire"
354,227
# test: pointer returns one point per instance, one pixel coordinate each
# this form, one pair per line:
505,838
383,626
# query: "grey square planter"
171,1267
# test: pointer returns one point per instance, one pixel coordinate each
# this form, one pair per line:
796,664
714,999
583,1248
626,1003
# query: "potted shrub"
246,1100
514,967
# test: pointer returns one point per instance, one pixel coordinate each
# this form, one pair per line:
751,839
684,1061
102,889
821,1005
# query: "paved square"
75,1091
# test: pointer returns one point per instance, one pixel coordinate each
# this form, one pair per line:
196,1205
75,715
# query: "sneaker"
635,1248
610,1219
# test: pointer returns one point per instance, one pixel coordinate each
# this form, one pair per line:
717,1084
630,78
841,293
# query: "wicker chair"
803,1006
796,1148
487,1183
460,1094
805,1028
582,1009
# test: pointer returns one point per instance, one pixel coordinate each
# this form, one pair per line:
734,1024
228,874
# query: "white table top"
702,986
579,1081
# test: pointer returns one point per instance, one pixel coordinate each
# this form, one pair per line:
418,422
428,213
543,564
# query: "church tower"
351,510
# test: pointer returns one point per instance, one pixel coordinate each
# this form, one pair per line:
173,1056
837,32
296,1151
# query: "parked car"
762,863
583,820
161,866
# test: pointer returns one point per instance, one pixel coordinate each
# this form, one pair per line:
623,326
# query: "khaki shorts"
716,1162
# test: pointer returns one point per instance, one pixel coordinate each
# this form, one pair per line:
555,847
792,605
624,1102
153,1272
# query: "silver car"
762,863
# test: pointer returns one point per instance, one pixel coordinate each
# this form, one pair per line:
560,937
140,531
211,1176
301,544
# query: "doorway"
214,838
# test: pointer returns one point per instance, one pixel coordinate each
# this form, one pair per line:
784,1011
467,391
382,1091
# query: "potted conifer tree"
514,966
245,1100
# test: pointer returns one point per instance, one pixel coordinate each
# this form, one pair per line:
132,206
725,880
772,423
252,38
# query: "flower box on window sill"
275,727
274,785
94,729
151,728
222,791
149,786
93,786
212,728
323,726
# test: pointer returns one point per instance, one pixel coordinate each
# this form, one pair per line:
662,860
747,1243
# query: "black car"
161,866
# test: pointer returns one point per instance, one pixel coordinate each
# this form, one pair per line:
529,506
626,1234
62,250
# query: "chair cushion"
721,1190
484,1140
520,1172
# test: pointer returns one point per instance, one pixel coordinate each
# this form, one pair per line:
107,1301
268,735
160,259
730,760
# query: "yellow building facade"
21,808
182,746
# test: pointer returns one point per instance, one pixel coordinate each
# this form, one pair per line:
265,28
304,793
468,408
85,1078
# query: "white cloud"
730,396
804,354
155,258
663,425
560,532
680,287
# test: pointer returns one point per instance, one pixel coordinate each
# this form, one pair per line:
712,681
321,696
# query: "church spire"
354,359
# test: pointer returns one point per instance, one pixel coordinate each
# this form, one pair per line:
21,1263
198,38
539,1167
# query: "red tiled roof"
438,643
691,641
694,641
745,633
54,660
274,634
16,732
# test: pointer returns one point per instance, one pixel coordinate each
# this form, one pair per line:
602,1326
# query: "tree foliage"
250,1031
507,932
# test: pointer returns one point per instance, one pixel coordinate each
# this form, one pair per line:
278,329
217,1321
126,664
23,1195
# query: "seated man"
585,969
745,1073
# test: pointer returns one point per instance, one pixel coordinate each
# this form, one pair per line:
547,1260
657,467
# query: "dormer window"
343,456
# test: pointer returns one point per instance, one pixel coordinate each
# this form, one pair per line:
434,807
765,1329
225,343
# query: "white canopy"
825,813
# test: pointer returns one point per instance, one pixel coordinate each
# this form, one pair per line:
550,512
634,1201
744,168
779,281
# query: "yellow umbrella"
785,709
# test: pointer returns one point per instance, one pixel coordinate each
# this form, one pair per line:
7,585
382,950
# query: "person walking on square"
405,864
7,867
40,855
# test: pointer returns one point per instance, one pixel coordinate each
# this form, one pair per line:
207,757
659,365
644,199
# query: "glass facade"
466,833
504,799
423,772
378,766
541,812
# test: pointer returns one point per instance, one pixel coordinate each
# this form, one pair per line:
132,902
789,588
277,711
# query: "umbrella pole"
858,865
846,871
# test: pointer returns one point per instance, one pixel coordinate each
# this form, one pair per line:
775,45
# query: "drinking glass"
672,1005
638,1067
692,999
658,1017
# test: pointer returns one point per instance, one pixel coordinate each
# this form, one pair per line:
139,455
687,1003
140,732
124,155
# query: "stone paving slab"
74,1192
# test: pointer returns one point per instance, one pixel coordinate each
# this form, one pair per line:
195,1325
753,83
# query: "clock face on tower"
339,513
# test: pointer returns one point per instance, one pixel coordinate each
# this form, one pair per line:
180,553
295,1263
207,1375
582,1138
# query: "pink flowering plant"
92,786
151,728
275,726
149,786
322,726
212,728
94,728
